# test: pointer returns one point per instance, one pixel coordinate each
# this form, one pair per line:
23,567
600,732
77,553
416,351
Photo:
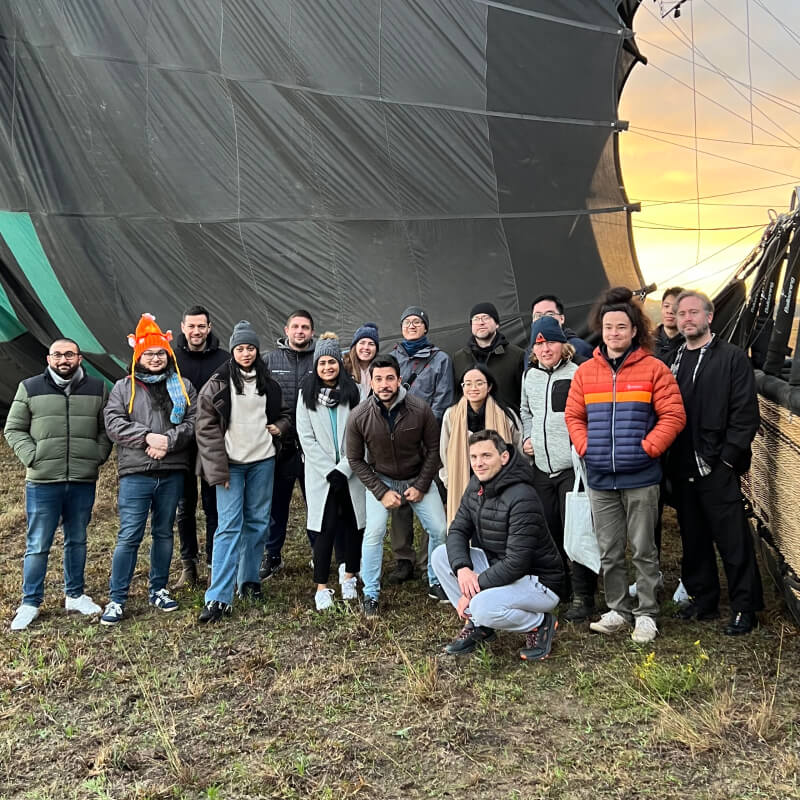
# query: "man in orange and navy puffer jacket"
624,410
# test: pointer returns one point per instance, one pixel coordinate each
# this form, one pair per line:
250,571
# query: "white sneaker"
610,622
323,599
633,590
681,596
24,616
645,630
83,605
350,589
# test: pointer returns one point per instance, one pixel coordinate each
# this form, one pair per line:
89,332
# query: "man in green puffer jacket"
55,426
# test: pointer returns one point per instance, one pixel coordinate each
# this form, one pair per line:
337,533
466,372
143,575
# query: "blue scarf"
174,390
412,348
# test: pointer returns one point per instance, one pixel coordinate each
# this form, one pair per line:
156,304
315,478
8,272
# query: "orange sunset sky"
745,115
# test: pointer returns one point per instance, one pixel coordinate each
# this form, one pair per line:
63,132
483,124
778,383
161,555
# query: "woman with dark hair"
624,410
239,421
335,496
477,410
361,354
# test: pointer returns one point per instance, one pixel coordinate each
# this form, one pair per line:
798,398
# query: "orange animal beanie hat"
148,334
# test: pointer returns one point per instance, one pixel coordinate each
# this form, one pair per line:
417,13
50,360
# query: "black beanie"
485,308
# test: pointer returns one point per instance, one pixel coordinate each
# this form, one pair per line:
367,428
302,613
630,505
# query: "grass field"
283,702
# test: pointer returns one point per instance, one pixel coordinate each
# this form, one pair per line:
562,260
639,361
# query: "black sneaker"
742,622
403,571
580,610
269,566
539,641
435,592
214,611
693,611
369,606
470,637
251,590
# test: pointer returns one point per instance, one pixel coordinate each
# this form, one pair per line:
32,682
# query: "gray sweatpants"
623,516
518,607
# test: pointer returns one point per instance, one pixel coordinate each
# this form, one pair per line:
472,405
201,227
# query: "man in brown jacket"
393,447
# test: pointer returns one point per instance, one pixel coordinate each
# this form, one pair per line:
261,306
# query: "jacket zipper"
66,400
548,399
614,426
481,496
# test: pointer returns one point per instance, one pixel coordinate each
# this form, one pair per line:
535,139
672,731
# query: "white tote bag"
580,541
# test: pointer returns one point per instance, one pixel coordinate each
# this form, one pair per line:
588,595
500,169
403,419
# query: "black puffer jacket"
504,518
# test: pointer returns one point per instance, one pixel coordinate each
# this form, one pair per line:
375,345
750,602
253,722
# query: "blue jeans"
243,512
139,495
430,513
45,505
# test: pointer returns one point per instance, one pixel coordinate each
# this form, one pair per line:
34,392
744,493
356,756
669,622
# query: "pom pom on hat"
327,345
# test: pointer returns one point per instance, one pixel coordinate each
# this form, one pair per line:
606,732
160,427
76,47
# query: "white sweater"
247,439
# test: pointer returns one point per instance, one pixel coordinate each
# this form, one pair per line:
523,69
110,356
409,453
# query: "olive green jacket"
59,437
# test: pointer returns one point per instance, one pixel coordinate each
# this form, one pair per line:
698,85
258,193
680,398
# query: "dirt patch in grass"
281,702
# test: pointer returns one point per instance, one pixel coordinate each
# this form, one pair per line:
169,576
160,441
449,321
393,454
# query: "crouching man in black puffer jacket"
512,575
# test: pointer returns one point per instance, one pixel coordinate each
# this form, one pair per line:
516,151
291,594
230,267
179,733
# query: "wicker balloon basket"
773,489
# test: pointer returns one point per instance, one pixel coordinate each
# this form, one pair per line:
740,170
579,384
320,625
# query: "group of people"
481,447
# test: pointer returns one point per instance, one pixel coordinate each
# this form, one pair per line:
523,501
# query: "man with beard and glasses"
199,355
489,347
719,393
150,416
55,426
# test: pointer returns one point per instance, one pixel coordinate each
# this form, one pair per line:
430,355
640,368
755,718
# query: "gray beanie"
416,311
327,345
244,333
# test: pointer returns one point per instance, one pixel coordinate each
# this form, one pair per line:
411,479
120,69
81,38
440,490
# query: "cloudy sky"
739,131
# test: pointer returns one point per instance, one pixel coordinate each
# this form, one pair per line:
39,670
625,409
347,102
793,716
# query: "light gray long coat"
316,438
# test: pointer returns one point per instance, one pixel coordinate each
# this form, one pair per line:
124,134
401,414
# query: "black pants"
552,492
187,517
338,526
710,512
288,469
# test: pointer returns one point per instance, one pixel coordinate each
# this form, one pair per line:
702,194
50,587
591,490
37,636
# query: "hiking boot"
251,590
470,637
403,571
349,588
83,605
580,609
610,622
112,615
742,622
645,630
435,592
323,599
214,611
162,601
369,606
25,615
539,641
692,611
269,566
188,577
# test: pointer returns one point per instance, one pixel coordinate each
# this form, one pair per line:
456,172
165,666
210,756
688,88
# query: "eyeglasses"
154,354
540,314
481,318
68,356
412,323
473,384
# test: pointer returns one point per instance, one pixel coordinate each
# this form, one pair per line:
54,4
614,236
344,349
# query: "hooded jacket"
128,430
505,361
199,365
429,376
621,422
544,400
58,436
213,416
401,443
504,518
664,347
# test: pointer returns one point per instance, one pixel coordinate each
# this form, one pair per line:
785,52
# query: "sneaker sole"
165,610
548,647
109,623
